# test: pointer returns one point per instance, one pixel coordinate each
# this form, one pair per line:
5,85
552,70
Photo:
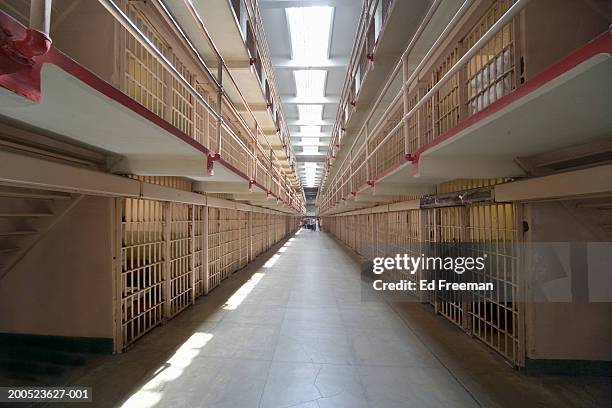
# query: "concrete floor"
292,331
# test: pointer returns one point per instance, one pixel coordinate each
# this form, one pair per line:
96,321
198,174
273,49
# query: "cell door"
181,257
450,236
143,246
495,316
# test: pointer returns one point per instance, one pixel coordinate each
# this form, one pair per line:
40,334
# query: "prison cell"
200,220
143,247
415,122
146,80
205,122
181,274
182,100
258,230
493,230
450,222
245,239
490,74
350,231
144,75
446,100
234,152
405,232
214,251
391,151
228,241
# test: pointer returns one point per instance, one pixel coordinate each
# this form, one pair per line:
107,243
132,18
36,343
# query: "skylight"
310,177
310,113
310,83
310,140
310,29
311,149
310,130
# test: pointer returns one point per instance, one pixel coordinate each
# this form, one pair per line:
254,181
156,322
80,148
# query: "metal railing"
415,100
294,199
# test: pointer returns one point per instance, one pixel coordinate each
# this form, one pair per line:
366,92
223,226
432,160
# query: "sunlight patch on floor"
152,392
238,297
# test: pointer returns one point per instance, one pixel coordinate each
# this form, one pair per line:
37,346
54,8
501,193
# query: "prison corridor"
300,328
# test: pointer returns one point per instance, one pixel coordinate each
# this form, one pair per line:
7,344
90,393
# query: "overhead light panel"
310,83
310,113
310,29
311,149
310,130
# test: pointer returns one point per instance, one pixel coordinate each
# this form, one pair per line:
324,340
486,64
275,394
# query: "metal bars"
494,316
171,253
181,257
184,94
478,230
142,267
474,71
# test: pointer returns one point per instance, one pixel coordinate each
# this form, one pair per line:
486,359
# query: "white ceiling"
310,151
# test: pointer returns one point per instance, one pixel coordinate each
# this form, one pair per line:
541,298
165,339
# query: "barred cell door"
495,315
214,251
229,241
450,223
143,252
200,214
244,238
181,278
406,230
489,231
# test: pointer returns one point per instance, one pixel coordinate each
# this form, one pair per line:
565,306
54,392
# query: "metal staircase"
26,215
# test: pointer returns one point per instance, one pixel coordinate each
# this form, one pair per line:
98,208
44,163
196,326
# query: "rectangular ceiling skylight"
310,141
310,130
310,113
311,149
310,29
310,83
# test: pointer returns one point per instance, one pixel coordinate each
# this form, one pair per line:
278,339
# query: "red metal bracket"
252,61
251,183
411,157
210,163
370,183
370,57
23,51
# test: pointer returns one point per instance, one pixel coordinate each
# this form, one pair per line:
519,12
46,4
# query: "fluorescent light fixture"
310,129
310,29
310,113
310,83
